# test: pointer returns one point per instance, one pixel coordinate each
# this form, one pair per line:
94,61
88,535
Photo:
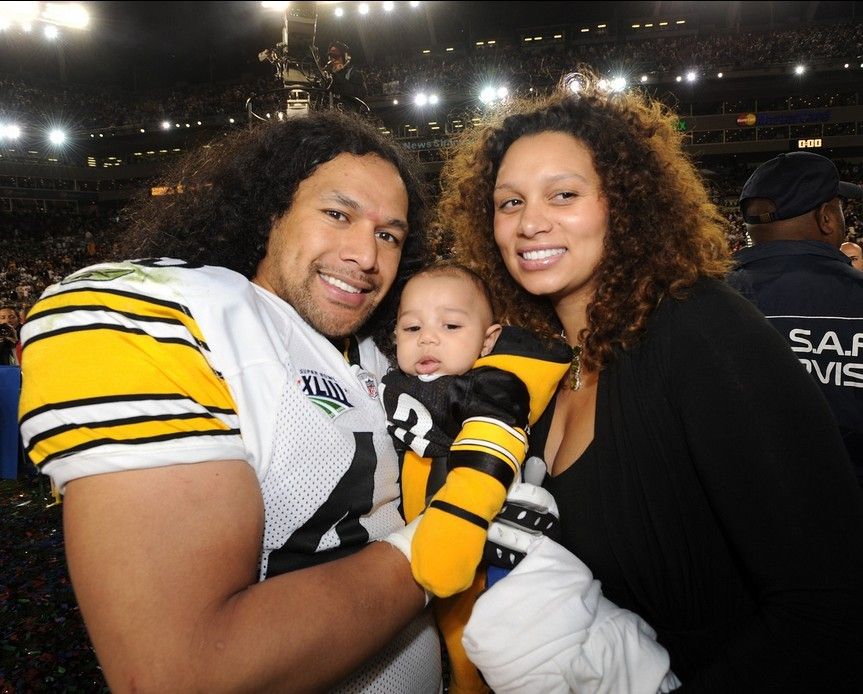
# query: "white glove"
546,628
401,539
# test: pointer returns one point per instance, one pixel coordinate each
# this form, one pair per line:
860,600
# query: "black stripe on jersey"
483,462
459,512
128,314
117,292
115,422
107,309
109,326
102,399
133,442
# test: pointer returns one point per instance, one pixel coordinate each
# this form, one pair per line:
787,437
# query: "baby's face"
444,325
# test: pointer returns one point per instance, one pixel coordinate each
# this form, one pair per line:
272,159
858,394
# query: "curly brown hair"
663,230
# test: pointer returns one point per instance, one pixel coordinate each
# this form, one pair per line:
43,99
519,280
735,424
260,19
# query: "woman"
697,468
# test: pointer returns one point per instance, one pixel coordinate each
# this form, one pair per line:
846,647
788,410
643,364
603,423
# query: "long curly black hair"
225,196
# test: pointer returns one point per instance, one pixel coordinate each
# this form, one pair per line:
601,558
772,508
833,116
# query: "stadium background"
147,81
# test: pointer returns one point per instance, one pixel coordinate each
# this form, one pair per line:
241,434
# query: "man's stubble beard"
300,297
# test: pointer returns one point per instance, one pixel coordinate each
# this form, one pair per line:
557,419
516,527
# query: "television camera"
305,84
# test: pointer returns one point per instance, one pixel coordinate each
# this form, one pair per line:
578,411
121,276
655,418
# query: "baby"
465,391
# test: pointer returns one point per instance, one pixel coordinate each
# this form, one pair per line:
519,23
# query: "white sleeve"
546,627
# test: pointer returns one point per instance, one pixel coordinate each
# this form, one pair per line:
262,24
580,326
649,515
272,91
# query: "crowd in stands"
102,108
40,249
659,56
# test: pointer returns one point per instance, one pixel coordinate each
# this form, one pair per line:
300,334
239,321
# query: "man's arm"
163,562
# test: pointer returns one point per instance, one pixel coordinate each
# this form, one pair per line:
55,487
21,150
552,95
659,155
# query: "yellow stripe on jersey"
68,362
100,362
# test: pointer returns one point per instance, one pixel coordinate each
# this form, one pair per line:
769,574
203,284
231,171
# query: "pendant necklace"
574,366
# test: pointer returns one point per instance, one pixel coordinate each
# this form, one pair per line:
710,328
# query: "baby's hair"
450,268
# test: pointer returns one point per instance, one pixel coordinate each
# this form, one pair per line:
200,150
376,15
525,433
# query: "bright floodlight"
644,78
502,92
57,137
23,13
10,132
415,3
618,84
487,95
799,69
421,100
388,6
66,14
719,75
363,8
691,76
433,99
339,12
166,125
51,32
275,5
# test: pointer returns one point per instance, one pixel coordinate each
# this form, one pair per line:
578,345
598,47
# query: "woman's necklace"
574,366
575,369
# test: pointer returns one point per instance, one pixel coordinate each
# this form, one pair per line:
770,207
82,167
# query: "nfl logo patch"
369,382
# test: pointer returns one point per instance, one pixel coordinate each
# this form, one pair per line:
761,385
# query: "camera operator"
347,80
8,341
9,347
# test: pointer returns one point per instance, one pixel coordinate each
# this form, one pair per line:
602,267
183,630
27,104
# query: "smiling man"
213,422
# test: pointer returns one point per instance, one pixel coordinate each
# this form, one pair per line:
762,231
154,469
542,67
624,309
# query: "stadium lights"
71,15
491,95
389,6
10,132
339,12
57,137
423,99
691,76
363,8
166,125
799,69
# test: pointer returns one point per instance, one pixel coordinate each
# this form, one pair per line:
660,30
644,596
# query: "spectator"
853,251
